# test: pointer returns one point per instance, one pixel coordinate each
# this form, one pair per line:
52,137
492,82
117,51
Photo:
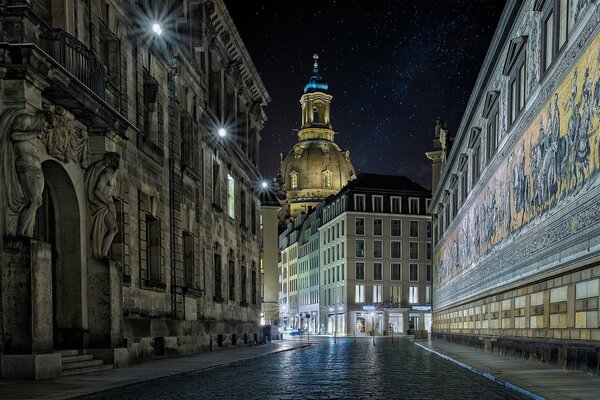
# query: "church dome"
316,167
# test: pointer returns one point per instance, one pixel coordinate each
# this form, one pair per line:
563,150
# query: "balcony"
74,75
76,58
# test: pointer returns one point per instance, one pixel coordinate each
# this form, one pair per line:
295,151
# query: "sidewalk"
541,380
81,385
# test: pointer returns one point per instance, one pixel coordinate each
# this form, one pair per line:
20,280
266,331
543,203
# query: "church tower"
316,167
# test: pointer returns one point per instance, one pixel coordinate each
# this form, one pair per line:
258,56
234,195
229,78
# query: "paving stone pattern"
346,370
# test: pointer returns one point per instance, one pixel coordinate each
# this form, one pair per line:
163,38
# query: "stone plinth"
105,299
27,299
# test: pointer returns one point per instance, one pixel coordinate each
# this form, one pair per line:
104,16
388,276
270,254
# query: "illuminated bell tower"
316,167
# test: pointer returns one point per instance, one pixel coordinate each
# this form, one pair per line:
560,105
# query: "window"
515,68
396,274
493,127
243,211
395,294
378,227
476,164
342,228
360,248
377,271
230,196
293,180
377,249
150,107
428,294
360,271
188,259
396,249
413,250
360,226
253,216
110,55
231,280
413,205
254,299
153,248
454,202
359,202
413,294
217,276
377,293
359,294
327,180
396,227
429,250
395,204
464,183
428,229
377,203
555,26
414,229
216,181
429,273
413,272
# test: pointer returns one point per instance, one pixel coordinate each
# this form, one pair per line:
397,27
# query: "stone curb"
486,375
181,373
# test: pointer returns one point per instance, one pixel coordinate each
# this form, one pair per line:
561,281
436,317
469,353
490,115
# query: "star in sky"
392,67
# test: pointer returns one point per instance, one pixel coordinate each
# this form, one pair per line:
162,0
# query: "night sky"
392,67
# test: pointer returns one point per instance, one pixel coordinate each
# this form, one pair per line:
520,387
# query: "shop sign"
368,308
421,308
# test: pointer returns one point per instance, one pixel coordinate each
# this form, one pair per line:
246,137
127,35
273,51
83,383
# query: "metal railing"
76,58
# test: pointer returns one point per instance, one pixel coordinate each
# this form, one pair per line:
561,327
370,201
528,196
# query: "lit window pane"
563,27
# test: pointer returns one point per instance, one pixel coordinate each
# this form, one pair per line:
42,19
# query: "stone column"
27,313
105,303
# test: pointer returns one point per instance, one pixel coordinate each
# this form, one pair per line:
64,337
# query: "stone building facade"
515,209
128,224
363,262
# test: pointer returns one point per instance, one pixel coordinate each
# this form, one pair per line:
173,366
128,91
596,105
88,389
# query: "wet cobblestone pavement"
346,370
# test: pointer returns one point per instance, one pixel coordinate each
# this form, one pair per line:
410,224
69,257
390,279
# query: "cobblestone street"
345,370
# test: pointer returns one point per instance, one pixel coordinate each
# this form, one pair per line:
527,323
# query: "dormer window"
516,69
294,180
474,144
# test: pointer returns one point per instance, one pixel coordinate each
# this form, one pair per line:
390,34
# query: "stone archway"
67,282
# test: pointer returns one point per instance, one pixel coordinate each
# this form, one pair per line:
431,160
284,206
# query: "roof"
385,182
316,83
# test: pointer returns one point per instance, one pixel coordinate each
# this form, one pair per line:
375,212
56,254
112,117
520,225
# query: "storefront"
367,321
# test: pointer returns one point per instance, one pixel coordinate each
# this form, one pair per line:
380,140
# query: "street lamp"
264,184
157,29
222,132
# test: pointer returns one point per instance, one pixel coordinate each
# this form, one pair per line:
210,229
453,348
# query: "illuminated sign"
368,308
421,308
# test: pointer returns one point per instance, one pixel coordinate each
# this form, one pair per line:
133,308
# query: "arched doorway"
58,223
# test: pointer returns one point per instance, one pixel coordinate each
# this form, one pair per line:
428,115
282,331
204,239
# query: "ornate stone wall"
135,133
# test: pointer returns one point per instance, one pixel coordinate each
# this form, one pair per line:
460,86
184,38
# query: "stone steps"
72,359
87,370
75,362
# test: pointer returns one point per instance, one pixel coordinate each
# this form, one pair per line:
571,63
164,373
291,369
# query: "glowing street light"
222,132
156,29
264,184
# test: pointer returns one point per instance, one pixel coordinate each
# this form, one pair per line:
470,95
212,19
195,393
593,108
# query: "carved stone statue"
22,177
65,142
100,183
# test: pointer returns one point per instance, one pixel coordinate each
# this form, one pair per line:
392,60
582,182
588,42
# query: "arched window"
316,115
327,180
294,180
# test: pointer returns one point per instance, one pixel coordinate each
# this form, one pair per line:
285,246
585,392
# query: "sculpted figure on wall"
65,142
22,177
100,183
